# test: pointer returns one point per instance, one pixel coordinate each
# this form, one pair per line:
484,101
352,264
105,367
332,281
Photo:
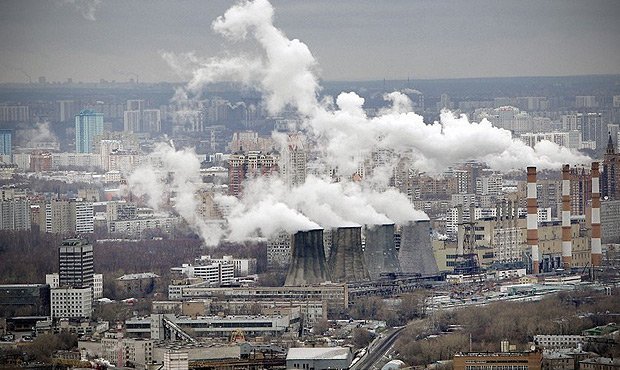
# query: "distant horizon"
62,82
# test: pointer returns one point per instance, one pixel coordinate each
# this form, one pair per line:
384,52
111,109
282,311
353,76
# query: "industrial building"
498,361
24,300
319,358
167,326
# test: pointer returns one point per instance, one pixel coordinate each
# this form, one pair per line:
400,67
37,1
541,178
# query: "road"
377,350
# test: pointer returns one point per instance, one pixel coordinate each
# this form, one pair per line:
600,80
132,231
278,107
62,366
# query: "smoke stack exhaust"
596,253
308,265
346,259
532,218
567,244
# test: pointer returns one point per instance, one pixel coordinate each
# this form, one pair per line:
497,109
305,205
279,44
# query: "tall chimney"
596,253
532,218
567,244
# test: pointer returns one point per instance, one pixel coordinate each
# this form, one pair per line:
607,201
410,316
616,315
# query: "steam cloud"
183,166
285,72
41,134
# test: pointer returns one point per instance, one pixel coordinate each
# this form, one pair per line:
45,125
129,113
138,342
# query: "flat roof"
324,353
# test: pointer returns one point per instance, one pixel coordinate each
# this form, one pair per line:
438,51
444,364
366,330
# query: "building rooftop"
143,275
326,353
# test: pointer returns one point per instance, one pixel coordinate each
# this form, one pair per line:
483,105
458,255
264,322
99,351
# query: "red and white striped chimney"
596,253
567,244
532,218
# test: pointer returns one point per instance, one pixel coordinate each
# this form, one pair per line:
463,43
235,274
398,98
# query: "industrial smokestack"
567,245
532,218
596,253
346,258
416,253
308,265
380,253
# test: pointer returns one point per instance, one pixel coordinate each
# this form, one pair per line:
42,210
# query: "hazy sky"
351,39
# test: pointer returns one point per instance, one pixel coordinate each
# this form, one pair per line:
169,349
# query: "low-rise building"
69,302
242,266
498,361
319,358
137,285
600,363
24,300
159,326
559,341
216,273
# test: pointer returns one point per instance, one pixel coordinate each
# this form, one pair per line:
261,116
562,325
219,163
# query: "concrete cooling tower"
308,265
380,253
416,253
346,258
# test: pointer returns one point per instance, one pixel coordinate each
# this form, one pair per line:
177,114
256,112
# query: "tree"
361,337
320,327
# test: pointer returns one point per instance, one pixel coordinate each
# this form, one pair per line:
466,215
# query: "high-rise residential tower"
88,125
6,142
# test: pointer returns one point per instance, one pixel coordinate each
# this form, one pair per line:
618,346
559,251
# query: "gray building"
24,300
75,260
15,214
610,221
319,358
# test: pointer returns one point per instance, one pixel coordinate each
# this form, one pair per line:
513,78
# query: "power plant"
308,265
416,253
346,259
380,252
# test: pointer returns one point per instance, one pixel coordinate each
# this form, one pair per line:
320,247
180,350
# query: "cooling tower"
380,253
416,253
308,265
346,259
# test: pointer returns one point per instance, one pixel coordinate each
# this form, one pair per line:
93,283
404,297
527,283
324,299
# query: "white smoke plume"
87,8
40,135
269,206
285,72
179,174
285,75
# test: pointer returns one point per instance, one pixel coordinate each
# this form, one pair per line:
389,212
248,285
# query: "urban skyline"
254,215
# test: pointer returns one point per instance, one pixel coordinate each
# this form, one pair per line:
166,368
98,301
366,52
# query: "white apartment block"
137,226
242,266
490,185
53,281
84,217
213,273
506,244
97,286
72,302
559,341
